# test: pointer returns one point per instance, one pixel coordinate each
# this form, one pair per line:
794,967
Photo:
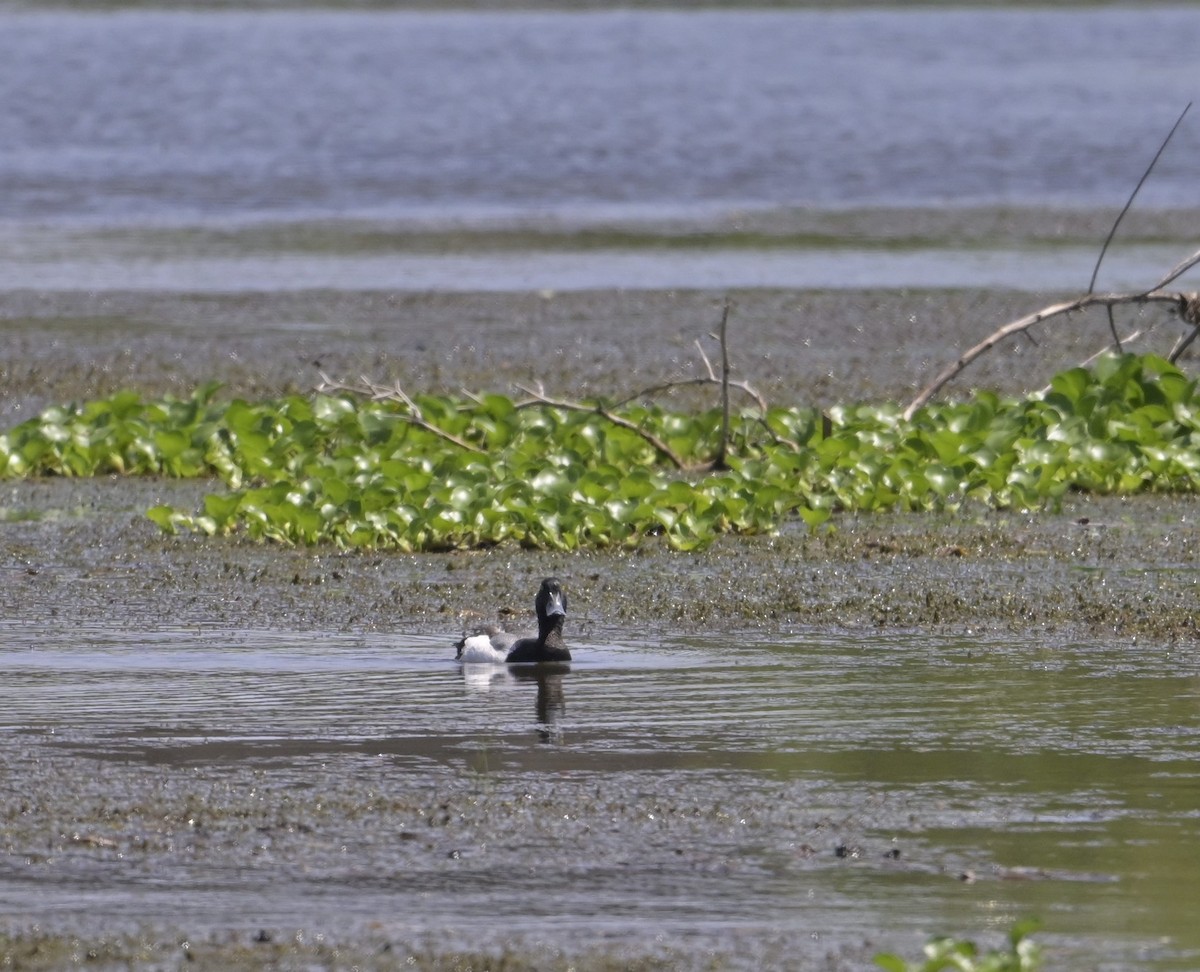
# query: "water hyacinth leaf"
55,432
815,516
1070,386
621,510
665,518
592,491
551,481
307,523
166,518
220,508
1104,452
330,410
171,443
942,479
336,490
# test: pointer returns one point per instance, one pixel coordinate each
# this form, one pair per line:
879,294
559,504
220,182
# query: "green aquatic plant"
1022,954
436,472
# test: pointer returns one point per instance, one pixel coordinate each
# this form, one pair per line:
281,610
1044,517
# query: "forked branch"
412,412
710,377
1184,304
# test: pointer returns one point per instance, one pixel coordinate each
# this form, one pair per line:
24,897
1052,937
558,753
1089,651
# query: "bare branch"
394,393
723,446
537,396
707,364
1184,304
1179,270
540,398
1129,202
1180,302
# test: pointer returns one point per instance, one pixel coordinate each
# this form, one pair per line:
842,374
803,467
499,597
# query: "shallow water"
688,794
1066,268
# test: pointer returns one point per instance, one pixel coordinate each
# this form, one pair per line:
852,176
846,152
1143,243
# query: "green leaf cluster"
123,435
361,473
1021,955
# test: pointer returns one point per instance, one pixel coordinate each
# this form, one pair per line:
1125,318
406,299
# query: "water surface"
1069,268
225,119
137,115
807,793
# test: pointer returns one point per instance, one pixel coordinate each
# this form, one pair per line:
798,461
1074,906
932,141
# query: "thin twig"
711,379
397,394
1179,270
1112,329
712,375
1183,344
723,446
1121,342
1128,339
1190,315
667,387
1133,195
394,393
540,398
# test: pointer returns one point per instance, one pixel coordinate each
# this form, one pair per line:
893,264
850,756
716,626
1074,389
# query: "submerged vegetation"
479,471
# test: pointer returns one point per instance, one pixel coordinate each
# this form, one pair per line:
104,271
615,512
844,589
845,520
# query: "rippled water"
1062,777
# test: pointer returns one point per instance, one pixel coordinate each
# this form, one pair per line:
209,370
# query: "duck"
492,644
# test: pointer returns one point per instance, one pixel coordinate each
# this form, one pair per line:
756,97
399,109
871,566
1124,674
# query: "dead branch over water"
1184,305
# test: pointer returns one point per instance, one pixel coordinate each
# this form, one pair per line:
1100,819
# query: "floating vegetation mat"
439,473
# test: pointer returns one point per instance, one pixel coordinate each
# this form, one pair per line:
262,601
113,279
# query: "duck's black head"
550,601
551,604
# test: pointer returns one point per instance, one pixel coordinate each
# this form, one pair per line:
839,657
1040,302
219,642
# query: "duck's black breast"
534,650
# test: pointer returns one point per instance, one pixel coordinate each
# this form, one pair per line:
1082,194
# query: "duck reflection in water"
551,701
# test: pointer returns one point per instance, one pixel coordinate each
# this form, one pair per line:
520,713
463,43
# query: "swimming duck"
496,646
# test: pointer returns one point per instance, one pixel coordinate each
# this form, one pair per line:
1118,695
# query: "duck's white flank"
479,650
